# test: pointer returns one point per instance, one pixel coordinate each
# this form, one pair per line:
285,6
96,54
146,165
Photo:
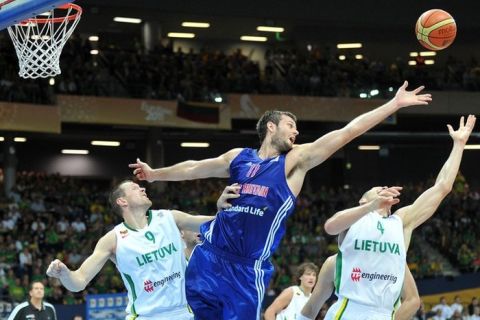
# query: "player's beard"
281,144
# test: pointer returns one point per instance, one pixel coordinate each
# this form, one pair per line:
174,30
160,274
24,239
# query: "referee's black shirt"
27,311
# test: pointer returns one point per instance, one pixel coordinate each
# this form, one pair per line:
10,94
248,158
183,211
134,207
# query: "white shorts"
177,314
345,309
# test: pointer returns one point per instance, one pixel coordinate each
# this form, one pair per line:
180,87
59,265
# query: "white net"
39,41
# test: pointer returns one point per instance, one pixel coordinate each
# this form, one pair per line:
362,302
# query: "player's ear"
121,202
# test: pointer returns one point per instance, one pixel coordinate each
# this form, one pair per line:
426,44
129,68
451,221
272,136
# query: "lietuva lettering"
377,246
156,255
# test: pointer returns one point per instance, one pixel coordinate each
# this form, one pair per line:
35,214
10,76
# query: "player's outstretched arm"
188,170
280,303
322,291
77,280
410,298
428,202
344,219
312,154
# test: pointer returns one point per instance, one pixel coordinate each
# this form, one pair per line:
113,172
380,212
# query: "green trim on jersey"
397,302
149,219
342,309
134,294
338,271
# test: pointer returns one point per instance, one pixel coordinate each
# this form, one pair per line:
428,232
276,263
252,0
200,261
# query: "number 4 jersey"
152,264
370,265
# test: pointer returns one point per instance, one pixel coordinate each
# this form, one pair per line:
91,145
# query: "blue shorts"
221,285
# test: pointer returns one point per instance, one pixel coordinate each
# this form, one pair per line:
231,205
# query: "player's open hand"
411,98
57,269
230,192
464,129
142,171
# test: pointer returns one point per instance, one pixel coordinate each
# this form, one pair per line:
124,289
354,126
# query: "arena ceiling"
305,20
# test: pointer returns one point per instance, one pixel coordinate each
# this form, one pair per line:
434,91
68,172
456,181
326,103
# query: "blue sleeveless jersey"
255,224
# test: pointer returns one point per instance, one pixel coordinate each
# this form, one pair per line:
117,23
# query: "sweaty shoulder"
232,154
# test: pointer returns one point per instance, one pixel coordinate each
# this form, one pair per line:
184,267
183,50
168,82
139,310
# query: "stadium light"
93,38
412,63
74,151
105,143
185,35
349,45
195,144
369,148
428,54
472,147
253,38
195,24
429,62
127,20
270,29
2,139
20,139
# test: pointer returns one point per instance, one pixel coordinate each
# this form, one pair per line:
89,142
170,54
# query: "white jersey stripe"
280,215
16,310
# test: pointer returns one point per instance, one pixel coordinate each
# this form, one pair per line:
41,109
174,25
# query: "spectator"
35,308
443,311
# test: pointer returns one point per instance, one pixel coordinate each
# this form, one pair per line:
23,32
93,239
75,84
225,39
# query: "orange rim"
71,17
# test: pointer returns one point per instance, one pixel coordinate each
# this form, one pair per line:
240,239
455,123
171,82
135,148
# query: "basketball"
436,29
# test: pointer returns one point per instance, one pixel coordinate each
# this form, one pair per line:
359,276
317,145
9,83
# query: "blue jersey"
255,224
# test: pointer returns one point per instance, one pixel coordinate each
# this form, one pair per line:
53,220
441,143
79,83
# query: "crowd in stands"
164,73
52,216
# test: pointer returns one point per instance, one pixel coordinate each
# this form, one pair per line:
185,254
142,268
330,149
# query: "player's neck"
136,219
306,291
37,303
267,150
383,212
188,252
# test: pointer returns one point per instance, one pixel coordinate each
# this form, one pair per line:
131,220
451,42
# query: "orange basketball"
436,29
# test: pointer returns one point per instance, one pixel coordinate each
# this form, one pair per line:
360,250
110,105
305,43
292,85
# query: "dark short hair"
116,193
271,116
30,287
306,266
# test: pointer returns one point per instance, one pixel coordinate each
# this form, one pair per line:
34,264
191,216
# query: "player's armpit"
189,222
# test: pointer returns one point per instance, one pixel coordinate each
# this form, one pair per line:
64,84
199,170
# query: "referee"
35,308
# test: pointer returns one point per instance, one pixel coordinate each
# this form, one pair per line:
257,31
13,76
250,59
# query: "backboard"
15,11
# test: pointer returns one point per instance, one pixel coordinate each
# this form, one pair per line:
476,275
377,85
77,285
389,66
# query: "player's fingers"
404,85
418,89
231,195
471,121
462,121
450,129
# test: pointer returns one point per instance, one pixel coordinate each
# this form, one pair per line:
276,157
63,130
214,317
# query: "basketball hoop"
39,41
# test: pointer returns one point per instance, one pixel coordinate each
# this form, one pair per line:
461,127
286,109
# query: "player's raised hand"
230,192
142,171
386,197
464,129
57,269
411,98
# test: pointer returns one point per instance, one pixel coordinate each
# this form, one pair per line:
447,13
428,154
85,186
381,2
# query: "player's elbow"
330,228
444,187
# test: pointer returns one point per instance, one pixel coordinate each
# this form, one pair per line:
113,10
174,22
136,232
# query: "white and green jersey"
292,311
152,264
370,266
